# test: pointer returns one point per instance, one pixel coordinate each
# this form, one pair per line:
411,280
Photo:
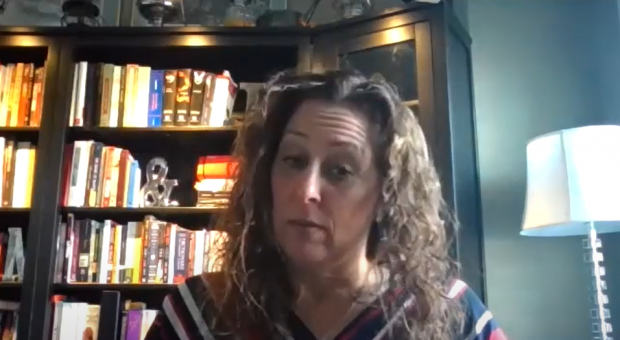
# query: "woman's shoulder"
479,321
189,309
198,290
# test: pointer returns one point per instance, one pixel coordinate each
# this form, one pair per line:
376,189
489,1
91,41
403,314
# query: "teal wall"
538,66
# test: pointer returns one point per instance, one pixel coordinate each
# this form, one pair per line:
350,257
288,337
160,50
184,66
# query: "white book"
81,94
76,76
115,96
57,321
130,95
137,200
5,102
172,252
20,180
3,84
2,147
70,311
79,173
142,98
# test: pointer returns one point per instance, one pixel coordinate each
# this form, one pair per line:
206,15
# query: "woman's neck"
339,281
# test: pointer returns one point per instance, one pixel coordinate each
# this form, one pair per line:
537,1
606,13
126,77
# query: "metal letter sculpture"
156,192
14,256
253,93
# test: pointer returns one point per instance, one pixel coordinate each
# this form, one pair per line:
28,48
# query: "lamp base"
599,312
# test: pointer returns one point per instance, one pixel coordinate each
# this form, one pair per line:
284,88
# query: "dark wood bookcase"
421,48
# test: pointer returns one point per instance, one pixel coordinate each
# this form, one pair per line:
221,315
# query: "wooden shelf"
9,210
198,139
10,291
68,287
185,216
151,294
14,217
25,133
19,129
119,131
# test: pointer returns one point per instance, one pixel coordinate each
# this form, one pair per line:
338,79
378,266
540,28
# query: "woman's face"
325,186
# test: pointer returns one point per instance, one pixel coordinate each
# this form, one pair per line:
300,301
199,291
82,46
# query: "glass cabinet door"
391,53
395,62
402,55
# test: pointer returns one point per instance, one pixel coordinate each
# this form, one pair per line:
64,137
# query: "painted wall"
538,66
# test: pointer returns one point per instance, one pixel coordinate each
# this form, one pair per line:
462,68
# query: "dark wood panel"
34,313
163,32
29,133
188,217
15,217
40,51
197,140
151,294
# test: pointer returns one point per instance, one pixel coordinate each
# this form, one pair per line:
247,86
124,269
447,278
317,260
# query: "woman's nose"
309,188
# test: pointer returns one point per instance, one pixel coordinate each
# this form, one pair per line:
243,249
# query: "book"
137,96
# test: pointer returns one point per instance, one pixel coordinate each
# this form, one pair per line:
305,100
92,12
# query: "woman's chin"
308,256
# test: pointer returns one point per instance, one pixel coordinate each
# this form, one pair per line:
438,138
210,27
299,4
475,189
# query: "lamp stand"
601,317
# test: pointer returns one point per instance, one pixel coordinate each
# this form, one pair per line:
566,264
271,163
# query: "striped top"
183,317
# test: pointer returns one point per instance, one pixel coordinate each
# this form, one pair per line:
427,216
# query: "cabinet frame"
317,49
35,287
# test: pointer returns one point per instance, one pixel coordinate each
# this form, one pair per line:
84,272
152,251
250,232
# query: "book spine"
170,94
184,88
156,98
197,96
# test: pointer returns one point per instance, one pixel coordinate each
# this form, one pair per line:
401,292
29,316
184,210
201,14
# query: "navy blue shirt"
182,317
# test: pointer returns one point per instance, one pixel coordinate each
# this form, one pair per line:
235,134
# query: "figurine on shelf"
14,263
240,14
156,192
352,8
253,92
160,12
80,13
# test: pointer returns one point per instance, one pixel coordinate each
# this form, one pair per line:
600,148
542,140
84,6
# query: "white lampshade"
573,177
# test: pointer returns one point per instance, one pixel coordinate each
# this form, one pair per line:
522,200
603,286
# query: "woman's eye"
339,172
295,162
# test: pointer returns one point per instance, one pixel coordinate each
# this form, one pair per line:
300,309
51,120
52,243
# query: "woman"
335,228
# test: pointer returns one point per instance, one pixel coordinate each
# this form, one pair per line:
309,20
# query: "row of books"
11,255
95,175
109,95
80,321
148,251
21,94
17,163
8,319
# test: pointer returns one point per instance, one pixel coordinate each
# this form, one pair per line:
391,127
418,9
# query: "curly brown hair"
411,237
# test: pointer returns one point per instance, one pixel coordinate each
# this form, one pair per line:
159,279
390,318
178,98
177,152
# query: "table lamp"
573,188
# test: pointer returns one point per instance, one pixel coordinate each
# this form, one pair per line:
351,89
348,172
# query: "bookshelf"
420,47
